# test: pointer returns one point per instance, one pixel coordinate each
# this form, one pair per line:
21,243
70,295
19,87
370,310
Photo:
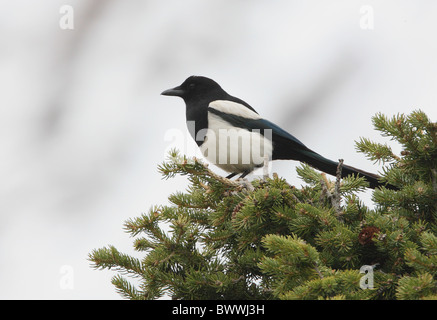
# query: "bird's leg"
233,174
244,182
245,173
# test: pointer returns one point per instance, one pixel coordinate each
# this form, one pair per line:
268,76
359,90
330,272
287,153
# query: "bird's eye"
191,85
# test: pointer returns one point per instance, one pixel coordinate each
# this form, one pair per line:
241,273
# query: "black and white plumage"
233,136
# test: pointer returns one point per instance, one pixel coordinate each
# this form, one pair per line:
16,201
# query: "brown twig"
334,197
266,168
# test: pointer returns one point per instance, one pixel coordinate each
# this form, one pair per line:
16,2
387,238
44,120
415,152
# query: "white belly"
234,149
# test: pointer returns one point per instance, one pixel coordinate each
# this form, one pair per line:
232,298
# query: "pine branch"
125,288
375,151
111,258
266,239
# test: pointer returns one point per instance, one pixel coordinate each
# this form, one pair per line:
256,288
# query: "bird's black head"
196,88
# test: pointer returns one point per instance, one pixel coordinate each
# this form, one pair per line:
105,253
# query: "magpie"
233,136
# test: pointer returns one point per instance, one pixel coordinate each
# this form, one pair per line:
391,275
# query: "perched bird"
233,136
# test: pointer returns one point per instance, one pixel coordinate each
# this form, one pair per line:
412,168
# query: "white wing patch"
234,149
234,108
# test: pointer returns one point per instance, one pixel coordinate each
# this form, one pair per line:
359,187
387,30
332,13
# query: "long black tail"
328,166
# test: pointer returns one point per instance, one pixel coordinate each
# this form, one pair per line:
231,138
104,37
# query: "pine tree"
267,239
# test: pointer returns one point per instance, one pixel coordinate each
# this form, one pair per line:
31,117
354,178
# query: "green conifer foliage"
268,239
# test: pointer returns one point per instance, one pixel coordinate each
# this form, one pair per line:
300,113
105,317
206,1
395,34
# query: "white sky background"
82,122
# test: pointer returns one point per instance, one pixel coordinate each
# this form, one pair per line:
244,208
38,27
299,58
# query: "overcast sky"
83,126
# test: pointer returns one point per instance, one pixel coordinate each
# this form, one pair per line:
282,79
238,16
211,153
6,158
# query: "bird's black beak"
176,91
